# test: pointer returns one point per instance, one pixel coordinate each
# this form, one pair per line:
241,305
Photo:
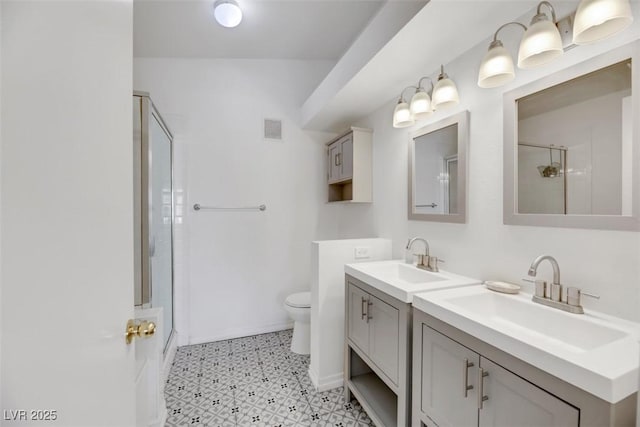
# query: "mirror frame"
510,152
462,120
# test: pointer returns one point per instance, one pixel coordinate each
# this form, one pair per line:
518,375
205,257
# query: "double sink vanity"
426,348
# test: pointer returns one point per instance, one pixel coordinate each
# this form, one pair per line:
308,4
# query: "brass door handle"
141,329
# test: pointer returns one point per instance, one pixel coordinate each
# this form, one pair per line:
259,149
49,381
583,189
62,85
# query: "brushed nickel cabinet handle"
335,160
481,397
363,308
466,387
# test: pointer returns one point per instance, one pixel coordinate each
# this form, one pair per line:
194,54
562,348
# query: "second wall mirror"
571,146
438,170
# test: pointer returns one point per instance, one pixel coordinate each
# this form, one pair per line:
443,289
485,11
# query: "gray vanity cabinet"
451,386
378,353
452,369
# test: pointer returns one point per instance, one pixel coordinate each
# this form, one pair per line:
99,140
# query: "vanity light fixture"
227,13
598,19
541,42
496,67
445,93
423,104
402,115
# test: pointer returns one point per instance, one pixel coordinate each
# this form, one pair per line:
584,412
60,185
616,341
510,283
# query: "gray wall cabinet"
460,381
378,353
349,167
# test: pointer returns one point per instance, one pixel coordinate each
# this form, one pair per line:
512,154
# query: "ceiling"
270,29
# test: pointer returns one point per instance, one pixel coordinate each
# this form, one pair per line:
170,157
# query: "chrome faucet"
556,268
425,261
555,296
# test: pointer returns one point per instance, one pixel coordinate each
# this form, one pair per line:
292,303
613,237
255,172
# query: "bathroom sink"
401,271
593,351
402,280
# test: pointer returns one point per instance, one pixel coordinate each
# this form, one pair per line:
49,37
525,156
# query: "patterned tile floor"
252,381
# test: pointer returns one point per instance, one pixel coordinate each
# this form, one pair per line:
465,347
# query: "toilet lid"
300,299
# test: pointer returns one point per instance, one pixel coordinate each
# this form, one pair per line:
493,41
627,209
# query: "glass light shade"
402,116
445,94
598,19
540,44
496,68
227,13
420,106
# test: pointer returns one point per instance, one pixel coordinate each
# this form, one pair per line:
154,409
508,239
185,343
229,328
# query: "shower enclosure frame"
143,208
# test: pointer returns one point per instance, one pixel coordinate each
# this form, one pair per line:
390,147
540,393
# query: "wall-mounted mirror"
438,170
571,146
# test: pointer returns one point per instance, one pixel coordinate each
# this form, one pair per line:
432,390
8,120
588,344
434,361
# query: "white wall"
604,262
67,210
328,301
234,269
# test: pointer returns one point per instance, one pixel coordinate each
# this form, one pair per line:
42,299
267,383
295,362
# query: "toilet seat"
299,300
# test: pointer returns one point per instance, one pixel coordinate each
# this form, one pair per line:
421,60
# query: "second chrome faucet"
425,261
555,295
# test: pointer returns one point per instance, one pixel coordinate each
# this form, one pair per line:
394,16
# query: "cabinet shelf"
376,398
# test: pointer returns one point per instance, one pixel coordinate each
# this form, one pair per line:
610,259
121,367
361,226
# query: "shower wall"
592,131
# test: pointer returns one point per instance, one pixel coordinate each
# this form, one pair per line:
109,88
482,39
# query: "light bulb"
420,106
598,19
496,68
540,44
227,13
445,93
401,115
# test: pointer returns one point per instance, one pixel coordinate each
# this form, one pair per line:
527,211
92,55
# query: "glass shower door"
160,222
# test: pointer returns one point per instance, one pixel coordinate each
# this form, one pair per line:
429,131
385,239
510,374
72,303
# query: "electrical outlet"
362,252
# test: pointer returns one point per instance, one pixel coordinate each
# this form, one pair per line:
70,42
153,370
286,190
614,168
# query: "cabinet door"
514,402
334,162
346,157
446,372
384,337
357,317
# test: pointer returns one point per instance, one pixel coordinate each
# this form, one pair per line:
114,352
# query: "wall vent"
273,129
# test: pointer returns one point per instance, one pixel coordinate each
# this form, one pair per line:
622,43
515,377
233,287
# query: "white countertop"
593,351
401,280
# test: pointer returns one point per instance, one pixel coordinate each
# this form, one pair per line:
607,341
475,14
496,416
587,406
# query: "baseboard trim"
169,356
326,383
240,332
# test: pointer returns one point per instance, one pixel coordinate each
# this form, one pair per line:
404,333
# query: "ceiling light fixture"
423,104
598,19
227,13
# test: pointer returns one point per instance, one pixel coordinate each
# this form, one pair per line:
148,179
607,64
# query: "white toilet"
298,306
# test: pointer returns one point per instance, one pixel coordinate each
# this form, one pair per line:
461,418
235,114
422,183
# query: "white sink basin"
401,280
401,271
526,318
593,351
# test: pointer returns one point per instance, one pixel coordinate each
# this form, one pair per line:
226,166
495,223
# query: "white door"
67,214
384,336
